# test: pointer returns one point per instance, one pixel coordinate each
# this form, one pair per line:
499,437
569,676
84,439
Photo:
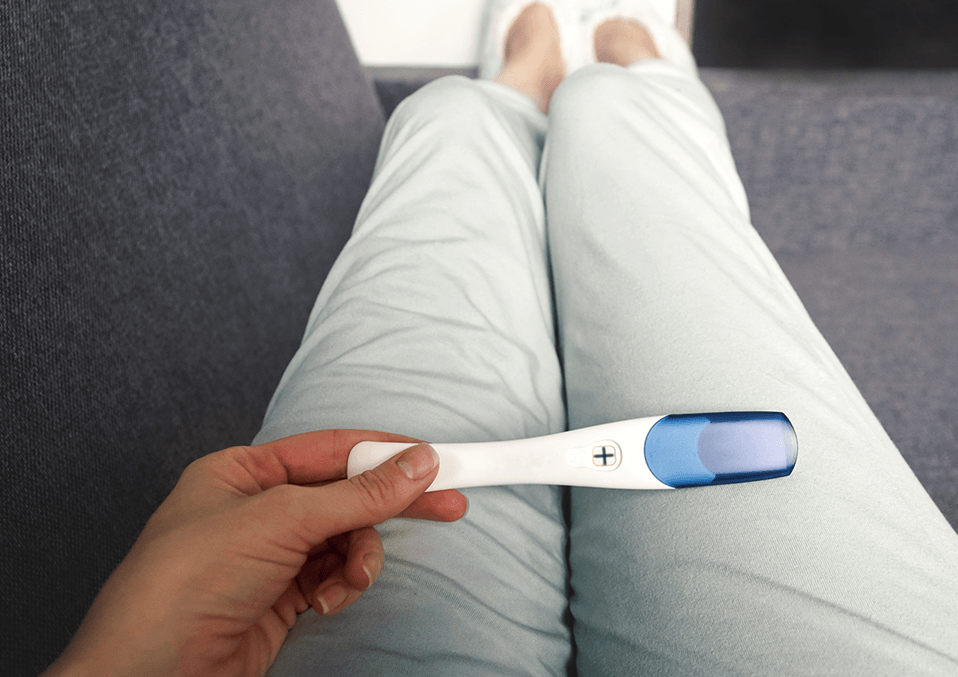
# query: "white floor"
425,33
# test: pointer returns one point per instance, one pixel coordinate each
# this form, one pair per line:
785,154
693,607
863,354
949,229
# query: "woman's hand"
248,538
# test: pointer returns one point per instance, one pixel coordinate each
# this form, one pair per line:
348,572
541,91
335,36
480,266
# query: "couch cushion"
891,315
851,181
177,178
833,159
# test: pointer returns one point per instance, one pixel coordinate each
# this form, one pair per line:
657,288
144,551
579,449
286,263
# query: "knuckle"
198,466
375,490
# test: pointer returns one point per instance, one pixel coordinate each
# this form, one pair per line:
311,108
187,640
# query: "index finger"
319,457
315,456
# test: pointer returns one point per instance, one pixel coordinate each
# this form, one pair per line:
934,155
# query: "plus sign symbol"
603,456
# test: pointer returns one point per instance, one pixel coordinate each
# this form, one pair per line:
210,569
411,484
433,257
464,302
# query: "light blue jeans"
512,275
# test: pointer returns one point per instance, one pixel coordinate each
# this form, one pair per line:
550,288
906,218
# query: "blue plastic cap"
694,450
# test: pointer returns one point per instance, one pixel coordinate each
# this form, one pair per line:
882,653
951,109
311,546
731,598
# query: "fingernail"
332,597
372,567
418,461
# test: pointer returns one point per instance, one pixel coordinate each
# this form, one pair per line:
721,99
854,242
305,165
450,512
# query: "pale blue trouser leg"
669,302
436,322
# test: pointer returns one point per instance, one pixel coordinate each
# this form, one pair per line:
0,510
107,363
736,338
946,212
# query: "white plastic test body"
660,452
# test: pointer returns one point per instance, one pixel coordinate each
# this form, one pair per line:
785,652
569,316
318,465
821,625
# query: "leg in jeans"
436,322
669,302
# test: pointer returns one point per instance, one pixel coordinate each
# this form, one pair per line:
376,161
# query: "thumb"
375,495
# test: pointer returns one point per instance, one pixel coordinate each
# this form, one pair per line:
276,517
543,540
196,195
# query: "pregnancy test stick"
659,452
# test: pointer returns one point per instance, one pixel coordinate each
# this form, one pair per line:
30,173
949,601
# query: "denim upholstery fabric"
176,180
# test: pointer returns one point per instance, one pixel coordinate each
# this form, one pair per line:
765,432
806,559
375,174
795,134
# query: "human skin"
249,538
532,62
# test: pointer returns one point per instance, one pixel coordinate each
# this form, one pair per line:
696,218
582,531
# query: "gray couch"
177,178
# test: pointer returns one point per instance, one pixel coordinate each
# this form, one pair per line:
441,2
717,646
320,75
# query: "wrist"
105,661
118,637
68,665
114,642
